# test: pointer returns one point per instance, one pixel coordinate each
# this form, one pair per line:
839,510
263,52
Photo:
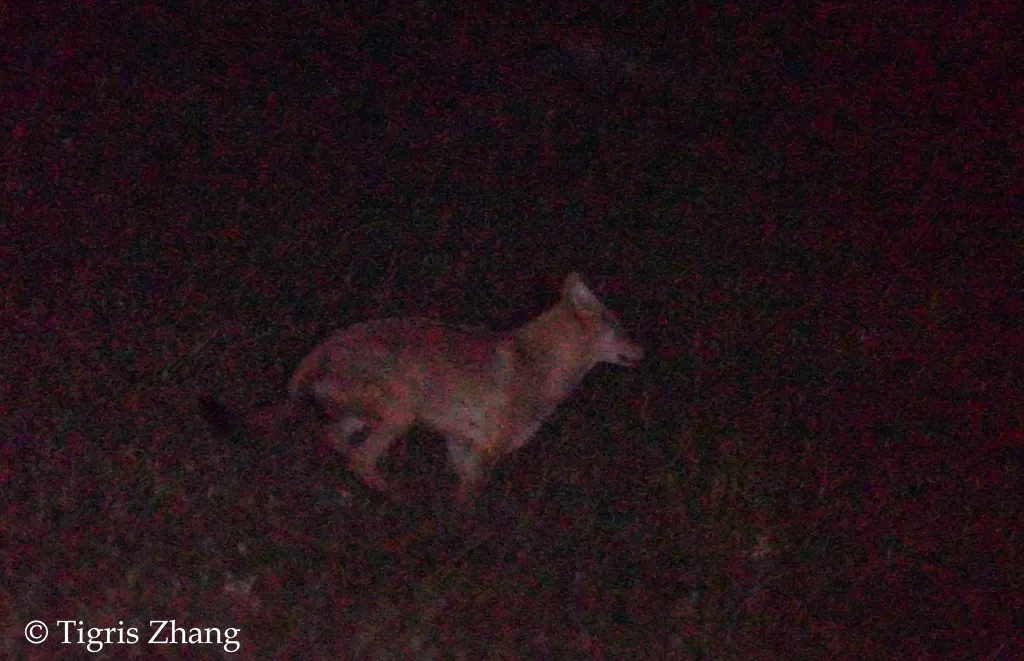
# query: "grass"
705,506
819,459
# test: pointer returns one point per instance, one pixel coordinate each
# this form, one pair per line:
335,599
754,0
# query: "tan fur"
486,393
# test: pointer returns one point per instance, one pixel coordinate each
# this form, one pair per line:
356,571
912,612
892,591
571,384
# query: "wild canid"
485,393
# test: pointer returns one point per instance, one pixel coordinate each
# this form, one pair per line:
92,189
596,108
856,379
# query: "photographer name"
160,632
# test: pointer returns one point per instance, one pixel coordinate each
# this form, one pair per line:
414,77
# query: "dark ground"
810,218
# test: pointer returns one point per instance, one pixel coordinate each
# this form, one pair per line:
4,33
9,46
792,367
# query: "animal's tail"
228,423
225,422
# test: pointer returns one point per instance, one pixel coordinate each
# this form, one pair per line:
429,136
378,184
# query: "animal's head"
610,344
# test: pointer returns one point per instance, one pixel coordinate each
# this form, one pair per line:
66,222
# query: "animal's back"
425,357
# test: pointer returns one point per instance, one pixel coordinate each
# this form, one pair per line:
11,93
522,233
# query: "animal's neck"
548,347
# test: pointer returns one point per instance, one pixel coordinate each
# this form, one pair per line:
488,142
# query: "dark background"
809,214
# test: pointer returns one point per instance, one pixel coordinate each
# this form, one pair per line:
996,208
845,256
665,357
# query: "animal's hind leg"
363,459
340,434
381,407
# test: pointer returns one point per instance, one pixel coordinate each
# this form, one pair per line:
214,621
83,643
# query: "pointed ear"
576,294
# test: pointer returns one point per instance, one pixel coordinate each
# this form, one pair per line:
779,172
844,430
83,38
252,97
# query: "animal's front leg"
470,465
